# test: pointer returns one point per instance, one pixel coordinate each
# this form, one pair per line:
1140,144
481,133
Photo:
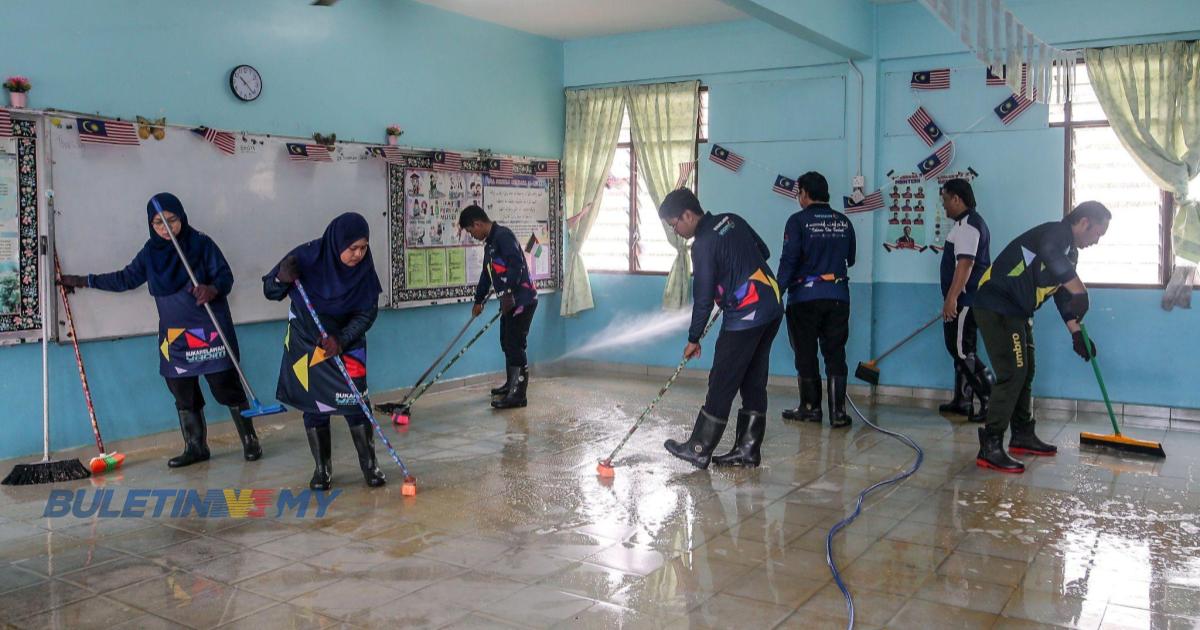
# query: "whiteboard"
256,204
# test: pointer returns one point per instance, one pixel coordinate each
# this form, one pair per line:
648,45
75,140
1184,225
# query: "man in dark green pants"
1033,267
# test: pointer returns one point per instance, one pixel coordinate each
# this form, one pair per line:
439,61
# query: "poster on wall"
19,299
908,211
10,236
438,253
524,204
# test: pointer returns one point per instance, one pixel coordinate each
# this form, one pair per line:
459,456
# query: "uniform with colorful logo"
729,268
1029,270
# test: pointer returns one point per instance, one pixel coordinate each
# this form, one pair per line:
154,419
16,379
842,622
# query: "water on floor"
513,528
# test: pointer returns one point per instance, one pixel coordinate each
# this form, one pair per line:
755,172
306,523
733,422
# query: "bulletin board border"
28,315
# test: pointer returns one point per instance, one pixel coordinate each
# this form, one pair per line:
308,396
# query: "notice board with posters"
434,261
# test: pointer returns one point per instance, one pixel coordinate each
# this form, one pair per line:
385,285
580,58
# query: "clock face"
245,82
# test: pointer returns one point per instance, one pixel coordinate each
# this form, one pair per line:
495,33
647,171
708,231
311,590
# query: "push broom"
256,408
1116,440
605,467
104,461
400,411
869,371
409,489
45,471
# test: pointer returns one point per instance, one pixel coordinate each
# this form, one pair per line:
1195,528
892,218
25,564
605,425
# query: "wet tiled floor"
512,528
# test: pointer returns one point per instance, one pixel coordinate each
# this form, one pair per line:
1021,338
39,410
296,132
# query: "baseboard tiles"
1137,415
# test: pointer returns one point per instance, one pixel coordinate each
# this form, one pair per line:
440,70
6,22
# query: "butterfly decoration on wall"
327,141
156,128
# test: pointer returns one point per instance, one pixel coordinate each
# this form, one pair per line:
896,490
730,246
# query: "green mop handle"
1087,346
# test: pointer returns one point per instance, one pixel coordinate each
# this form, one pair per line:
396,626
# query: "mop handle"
87,391
662,392
337,360
207,307
454,360
45,353
1087,346
449,347
908,338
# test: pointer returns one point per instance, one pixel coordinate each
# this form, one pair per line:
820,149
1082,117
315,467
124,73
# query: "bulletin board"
20,310
433,260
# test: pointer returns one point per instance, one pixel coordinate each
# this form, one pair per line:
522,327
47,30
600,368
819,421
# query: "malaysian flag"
445,161
937,162
546,169
1011,108
299,152
786,187
5,124
926,129
106,132
501,167
725,157
993,79
391,154
223,140
873,201
930,79
685,171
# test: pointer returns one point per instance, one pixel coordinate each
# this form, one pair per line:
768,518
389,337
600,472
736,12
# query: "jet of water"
626,331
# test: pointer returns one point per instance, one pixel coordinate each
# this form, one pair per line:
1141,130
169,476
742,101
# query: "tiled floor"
512,528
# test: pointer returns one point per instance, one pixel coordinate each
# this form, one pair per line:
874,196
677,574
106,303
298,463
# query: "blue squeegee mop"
256,408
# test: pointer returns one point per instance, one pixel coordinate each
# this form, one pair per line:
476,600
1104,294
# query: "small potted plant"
393,134
17,87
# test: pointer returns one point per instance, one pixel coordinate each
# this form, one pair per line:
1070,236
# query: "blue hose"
840,525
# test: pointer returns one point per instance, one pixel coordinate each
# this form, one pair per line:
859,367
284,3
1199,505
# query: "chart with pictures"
908,214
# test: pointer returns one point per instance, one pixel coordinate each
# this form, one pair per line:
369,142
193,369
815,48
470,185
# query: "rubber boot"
251,450
195,439
519,377
979,413
838,417
321,447
503,389
1025,442
751,425
991,454
960,404
810,400
794,414
706,434
364,443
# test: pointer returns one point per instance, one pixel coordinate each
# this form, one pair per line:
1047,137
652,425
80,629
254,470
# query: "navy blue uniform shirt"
504,268
969,239
729,268
818,249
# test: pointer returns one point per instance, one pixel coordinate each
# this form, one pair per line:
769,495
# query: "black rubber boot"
961,403
1025,442
364,443
251,450
519,377
991,454
697,451
794,414
751,426
979,413
810,400
838,417
503,389
195,439
321,447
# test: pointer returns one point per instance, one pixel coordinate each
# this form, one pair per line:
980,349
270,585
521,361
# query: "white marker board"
256,204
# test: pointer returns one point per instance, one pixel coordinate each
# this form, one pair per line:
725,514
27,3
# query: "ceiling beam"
843,27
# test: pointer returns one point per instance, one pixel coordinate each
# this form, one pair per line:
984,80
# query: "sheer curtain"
1151,96
593,123
663,125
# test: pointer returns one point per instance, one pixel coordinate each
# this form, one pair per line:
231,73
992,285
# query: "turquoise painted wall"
449,80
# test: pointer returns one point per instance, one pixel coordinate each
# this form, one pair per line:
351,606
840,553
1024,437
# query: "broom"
45,471
869,370
1116,440
105,461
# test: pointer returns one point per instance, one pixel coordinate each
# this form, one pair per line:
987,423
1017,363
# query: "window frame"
1166,203
634,235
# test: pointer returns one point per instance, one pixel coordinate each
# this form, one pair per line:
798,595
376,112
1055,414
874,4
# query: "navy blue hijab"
165,273
335,288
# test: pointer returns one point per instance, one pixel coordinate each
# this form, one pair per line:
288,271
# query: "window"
628,235
1136,249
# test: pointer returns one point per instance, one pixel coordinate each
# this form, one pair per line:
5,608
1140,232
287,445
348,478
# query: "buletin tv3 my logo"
1018,350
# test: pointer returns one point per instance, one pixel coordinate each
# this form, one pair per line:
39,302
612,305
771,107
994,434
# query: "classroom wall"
450,81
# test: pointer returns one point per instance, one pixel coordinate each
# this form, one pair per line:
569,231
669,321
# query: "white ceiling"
571,19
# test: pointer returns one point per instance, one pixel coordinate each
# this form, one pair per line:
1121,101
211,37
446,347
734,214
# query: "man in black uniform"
729,268
1039,263
505,270
964,260
818,248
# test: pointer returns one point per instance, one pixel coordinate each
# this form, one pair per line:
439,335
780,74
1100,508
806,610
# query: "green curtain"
663,124
1151,96
593,123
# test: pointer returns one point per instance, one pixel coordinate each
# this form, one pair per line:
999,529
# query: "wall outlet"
858,182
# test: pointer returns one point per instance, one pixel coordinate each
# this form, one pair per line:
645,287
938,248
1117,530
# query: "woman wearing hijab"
189,345
339,276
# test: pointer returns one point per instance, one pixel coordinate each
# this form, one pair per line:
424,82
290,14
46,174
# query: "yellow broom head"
1123,443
